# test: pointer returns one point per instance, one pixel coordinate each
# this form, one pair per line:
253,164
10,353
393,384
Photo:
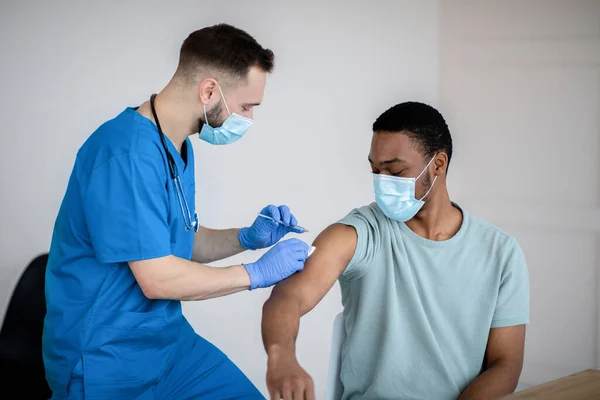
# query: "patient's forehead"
391,145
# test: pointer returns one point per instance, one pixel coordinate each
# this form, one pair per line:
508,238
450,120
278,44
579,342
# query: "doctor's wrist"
244,280
253,275
244,239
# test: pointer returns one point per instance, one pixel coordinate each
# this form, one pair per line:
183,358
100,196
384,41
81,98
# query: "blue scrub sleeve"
126,205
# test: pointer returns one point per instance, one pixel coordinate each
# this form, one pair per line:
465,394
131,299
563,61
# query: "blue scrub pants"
200,371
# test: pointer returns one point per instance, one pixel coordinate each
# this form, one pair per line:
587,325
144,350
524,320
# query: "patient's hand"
286,379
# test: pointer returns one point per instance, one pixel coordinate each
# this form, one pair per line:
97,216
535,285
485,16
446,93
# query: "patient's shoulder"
369,224
371,210
489,235
338,238
368,215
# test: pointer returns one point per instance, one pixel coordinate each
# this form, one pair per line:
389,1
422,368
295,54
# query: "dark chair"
21,363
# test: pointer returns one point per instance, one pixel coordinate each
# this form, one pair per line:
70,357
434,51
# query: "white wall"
68,66
520,87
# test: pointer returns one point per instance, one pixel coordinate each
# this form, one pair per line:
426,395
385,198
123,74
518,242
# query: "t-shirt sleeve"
368,242
125,203
512,306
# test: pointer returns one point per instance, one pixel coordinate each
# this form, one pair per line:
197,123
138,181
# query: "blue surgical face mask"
396,196
234,127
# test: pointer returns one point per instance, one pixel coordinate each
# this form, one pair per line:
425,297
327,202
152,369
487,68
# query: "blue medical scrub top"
120,206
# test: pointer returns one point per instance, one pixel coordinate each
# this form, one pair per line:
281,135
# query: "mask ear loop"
434,179
205,116
223,98
430,187
424,169
224,102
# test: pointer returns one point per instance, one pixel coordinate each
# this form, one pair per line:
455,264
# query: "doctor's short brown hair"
224,49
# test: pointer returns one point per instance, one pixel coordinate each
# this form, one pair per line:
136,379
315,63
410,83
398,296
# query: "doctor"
127,247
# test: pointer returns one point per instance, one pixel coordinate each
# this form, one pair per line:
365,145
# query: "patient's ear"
440,164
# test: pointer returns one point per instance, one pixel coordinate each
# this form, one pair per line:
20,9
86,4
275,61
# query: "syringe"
296,228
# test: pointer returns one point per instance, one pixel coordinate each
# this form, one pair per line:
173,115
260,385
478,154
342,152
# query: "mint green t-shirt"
417,313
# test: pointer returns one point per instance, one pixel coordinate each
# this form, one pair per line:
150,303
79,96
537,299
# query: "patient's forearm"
499,380
280,323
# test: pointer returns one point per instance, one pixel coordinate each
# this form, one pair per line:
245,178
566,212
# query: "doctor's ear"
207,89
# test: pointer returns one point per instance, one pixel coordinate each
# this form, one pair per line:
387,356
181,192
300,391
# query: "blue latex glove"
283,260
264,232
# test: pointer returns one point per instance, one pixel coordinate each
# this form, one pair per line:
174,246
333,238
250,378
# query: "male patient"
435,300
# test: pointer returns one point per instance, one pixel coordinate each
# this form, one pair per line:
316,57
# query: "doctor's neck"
175,110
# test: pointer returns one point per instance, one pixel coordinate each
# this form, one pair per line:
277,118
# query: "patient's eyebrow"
392,161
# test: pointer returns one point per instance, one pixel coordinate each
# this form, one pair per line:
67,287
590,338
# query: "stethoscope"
190,223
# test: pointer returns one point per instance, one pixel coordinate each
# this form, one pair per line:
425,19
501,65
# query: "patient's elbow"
278,294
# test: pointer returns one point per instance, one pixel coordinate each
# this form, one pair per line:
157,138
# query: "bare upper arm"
506,345
335,247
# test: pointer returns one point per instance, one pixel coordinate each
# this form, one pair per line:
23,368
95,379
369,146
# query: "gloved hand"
283,260
264,232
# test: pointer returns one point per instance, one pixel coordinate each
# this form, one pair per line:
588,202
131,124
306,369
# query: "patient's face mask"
395,196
